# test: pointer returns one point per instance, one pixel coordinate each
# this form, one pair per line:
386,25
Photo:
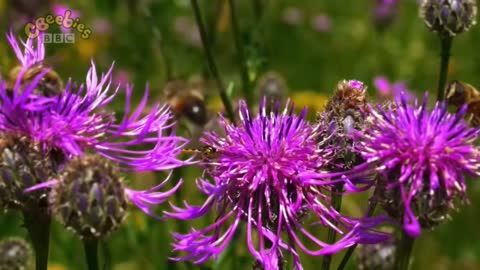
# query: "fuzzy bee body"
187,101
50,85
460,93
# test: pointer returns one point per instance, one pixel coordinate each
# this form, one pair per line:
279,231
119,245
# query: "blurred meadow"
311,44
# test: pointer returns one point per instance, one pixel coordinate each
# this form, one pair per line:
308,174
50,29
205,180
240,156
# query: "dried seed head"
346,110
449,17
15,254
89,198
24,163
376,256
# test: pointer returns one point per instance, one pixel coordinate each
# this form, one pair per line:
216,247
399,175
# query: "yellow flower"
56,266
86,48
313,100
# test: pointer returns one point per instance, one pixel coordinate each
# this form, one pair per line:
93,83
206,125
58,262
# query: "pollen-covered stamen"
89,197
23,164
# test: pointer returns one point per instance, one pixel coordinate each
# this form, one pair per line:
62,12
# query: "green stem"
446,46
229,252
332,234
37,224
404,250
242,61
159,43
258,9
211,62
371,209
91,253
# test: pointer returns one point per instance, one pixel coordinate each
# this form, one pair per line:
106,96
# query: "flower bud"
89,198
449,17
15,254
24,163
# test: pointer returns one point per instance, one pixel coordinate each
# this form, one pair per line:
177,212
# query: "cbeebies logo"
42,24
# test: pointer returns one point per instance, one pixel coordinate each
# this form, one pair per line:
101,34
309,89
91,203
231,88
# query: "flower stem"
446,46
258,8
229,252
242,61
91,253
371,209
211,62
37,223
332,234
404,250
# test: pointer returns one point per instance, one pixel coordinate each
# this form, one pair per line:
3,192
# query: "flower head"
449,17
387,89
260,177
33,50
15,253
77,121
422,157
384,12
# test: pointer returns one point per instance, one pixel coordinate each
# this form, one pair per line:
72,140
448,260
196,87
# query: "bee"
273,86
50,85
460,93
207,153
187,100
188,103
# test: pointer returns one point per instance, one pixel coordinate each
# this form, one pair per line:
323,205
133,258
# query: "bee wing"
474,112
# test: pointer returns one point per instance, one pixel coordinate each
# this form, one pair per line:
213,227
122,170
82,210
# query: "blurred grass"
311,62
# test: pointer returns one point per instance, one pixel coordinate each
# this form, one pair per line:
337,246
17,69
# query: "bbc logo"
59,38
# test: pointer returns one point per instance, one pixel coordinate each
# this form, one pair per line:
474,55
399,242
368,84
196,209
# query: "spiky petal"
257,180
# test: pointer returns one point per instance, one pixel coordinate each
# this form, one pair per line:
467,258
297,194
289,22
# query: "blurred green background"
312,44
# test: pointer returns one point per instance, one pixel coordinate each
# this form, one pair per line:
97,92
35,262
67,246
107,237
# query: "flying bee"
460,93
273,86
187,100
206,152
50,84
188,103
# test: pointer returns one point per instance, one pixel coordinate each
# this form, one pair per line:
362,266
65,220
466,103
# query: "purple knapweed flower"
384,12
387,89
77,122
65,11
33,50
260,178
321,23
421,157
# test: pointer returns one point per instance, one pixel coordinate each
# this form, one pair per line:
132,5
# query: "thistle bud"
377,256
449,17
24,163
89,198
15,254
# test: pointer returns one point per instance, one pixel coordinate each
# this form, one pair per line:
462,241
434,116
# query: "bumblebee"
187,100
188,104
50,84
460,93
273,86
